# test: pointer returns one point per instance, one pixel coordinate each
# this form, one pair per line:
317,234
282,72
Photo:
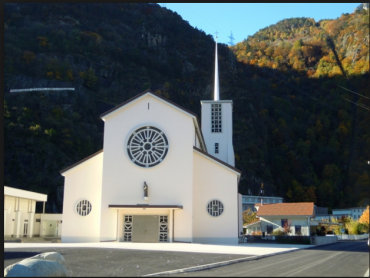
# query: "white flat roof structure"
19,193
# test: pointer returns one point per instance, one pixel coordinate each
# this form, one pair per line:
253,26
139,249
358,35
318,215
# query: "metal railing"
352,237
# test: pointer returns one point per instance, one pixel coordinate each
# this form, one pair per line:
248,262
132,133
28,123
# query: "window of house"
298,230
283,221
269,229
38,220
216,118
216,147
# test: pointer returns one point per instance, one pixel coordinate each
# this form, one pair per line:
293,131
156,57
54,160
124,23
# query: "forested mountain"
293,130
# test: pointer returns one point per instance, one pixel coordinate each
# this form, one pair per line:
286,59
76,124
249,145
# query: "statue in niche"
145,190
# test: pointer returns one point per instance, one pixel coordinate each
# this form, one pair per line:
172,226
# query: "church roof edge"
142,94
196,120
81,161
218,160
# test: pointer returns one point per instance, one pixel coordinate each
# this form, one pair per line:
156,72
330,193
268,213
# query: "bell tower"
217,123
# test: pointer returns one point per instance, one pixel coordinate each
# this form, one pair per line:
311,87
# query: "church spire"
216,88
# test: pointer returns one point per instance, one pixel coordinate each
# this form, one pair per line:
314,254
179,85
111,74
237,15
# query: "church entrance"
146,228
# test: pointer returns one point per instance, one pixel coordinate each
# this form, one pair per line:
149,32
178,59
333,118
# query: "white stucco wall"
240,214
213,181
82,182
52,219
224,138
170,182
25,207
276,223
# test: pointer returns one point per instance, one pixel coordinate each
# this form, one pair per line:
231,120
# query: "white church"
160,177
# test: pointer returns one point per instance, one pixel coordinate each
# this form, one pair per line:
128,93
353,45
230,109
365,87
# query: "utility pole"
231,53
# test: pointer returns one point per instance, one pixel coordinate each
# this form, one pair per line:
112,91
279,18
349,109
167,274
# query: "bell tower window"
216,118
216,147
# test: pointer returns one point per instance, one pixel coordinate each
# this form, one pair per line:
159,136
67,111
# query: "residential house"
274,216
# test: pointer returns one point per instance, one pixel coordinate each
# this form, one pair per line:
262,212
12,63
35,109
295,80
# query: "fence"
41,89
352,237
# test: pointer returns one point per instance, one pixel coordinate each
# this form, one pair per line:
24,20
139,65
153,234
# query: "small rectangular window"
269,229
216,147
38,220
298,230
283,221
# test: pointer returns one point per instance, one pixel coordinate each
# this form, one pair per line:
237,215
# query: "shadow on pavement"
19,255
338,246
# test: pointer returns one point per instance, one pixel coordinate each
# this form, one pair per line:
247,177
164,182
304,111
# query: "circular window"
83,207
215,208
147,146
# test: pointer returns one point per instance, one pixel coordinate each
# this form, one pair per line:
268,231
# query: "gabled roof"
256,221
80,162
171,103
142,94
218,161
286,209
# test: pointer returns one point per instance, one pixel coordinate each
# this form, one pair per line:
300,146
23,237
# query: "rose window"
147,146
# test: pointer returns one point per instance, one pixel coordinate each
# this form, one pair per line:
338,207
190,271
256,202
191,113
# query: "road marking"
201,267
289,273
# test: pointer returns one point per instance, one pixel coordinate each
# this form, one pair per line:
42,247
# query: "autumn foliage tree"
365,216
249,216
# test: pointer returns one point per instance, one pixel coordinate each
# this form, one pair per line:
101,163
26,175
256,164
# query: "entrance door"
145,228
25,229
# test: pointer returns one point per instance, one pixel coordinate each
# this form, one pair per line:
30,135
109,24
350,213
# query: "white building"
158,178
248,201
21,219
355,213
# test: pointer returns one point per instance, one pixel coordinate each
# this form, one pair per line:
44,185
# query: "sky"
245,19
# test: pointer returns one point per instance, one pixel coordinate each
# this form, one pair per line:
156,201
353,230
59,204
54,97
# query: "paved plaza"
140,259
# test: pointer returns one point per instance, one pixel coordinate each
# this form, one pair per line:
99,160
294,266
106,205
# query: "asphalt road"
342,259
105,262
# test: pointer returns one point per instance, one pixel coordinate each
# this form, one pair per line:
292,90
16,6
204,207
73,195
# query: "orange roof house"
274,216
286,209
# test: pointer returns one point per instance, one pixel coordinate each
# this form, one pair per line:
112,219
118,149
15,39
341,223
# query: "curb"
218,264
224,263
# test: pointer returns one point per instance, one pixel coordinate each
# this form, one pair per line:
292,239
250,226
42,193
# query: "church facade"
158,178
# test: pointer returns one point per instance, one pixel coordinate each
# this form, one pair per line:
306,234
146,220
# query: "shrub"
278,232
353,227
257,233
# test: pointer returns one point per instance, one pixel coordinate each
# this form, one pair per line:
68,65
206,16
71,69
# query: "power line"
353,92
358,104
